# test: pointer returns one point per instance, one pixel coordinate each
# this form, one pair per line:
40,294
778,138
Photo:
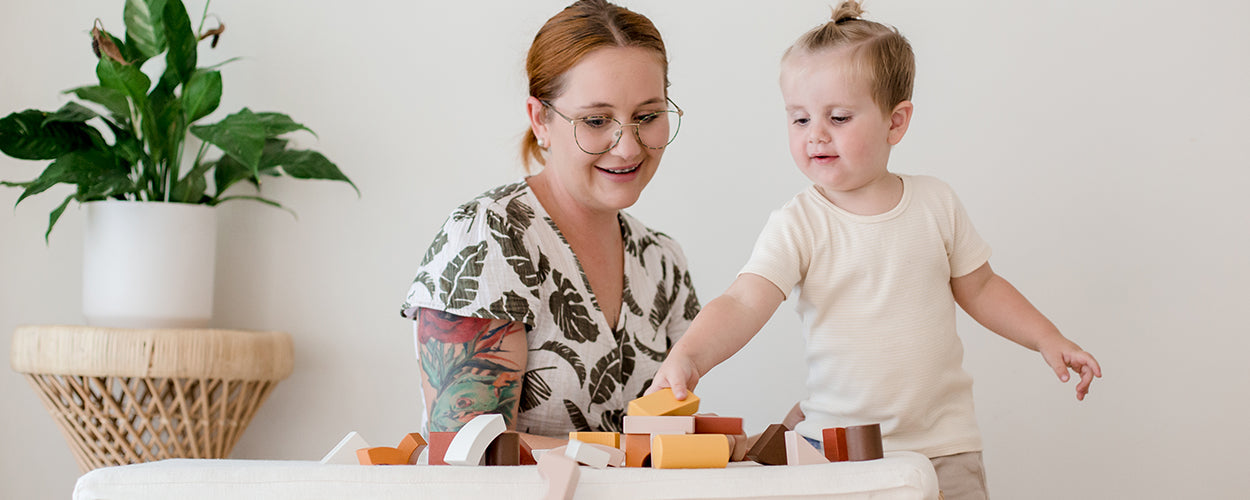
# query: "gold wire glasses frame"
598,130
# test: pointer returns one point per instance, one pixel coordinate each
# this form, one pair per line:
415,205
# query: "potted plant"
125,145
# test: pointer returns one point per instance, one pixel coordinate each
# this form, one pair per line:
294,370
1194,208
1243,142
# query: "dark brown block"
731,426
770,448
439,441
863,442
834,440
527,454
504,450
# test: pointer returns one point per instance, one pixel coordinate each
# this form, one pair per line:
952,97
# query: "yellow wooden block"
689,451
612,439
662,402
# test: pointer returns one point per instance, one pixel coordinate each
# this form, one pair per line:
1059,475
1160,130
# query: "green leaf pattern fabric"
500,256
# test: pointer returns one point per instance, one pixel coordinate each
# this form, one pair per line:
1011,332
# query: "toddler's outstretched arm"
998,306
723,326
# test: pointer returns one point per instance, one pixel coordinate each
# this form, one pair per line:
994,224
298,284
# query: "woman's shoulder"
639,238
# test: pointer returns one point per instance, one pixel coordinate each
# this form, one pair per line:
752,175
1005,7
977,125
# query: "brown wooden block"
770,448
504,450
527,454
834,440
741,446
439,441
863,442
637,449
717,425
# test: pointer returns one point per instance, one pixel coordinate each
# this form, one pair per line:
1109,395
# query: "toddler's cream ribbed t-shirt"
878,315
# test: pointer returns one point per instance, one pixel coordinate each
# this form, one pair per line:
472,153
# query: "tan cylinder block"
689,451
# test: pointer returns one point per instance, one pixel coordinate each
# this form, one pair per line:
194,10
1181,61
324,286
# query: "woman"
541,300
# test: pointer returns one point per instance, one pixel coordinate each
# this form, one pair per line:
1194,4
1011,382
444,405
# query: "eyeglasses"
598,134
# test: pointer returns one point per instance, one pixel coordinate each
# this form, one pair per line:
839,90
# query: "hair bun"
849,10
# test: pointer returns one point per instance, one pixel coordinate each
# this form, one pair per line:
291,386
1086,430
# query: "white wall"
1099,146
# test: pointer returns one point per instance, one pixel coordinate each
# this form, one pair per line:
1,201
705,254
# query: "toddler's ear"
900,118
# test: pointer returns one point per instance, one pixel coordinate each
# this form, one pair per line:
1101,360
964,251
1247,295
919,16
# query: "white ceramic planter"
149,265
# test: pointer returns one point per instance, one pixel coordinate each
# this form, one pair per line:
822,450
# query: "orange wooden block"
662,402
834,440
689,451
637,449
439,441
612,439
717,425
406,454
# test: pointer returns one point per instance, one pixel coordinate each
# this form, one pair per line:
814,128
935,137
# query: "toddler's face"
839,137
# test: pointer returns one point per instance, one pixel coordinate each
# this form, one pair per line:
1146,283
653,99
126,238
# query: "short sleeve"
478,266
966,250
781,252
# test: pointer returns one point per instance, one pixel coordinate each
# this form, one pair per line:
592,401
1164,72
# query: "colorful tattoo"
470,371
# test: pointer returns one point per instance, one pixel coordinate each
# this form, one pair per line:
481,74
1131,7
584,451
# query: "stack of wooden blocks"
659,432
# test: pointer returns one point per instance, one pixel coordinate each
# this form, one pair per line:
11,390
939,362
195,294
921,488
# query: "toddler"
878,261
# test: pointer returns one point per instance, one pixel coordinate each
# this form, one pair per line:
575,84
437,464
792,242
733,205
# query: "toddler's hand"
1063,354
677,372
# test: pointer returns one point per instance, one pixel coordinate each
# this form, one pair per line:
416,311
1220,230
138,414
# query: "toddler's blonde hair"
879,52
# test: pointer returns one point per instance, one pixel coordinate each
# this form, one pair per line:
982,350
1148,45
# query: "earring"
542,143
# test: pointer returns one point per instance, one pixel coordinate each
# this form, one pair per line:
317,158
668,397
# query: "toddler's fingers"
1060,368
659,383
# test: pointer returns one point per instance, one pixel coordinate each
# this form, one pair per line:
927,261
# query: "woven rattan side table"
125,396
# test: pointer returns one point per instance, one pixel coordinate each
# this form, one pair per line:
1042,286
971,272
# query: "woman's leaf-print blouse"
500,256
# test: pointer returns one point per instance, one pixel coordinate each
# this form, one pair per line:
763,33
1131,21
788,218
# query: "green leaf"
229,171
241,136
111,99
71,112
277,124
55,216
180,60
256,198
302,164
24,136
125,79
202,94
145,30
85,167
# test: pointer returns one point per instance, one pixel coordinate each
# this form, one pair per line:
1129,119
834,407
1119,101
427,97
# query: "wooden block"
616,456
689,451
770,448
675,424
637,449
588,454
717,425
863,442
505,450
406,454
469,445
527,454
438,446
662,402
834,440
381,455
740,448
561,474
344,453
612,439
801,452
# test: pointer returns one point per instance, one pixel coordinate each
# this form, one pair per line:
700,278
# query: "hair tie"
845,19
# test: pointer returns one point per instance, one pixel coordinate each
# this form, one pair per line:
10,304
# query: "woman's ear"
900,119
537,113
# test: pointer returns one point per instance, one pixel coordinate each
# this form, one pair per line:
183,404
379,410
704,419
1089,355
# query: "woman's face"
620,83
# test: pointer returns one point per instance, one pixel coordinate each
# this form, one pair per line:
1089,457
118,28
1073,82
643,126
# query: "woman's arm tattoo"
473,366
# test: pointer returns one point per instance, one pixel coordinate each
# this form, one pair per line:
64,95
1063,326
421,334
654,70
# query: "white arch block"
469,445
